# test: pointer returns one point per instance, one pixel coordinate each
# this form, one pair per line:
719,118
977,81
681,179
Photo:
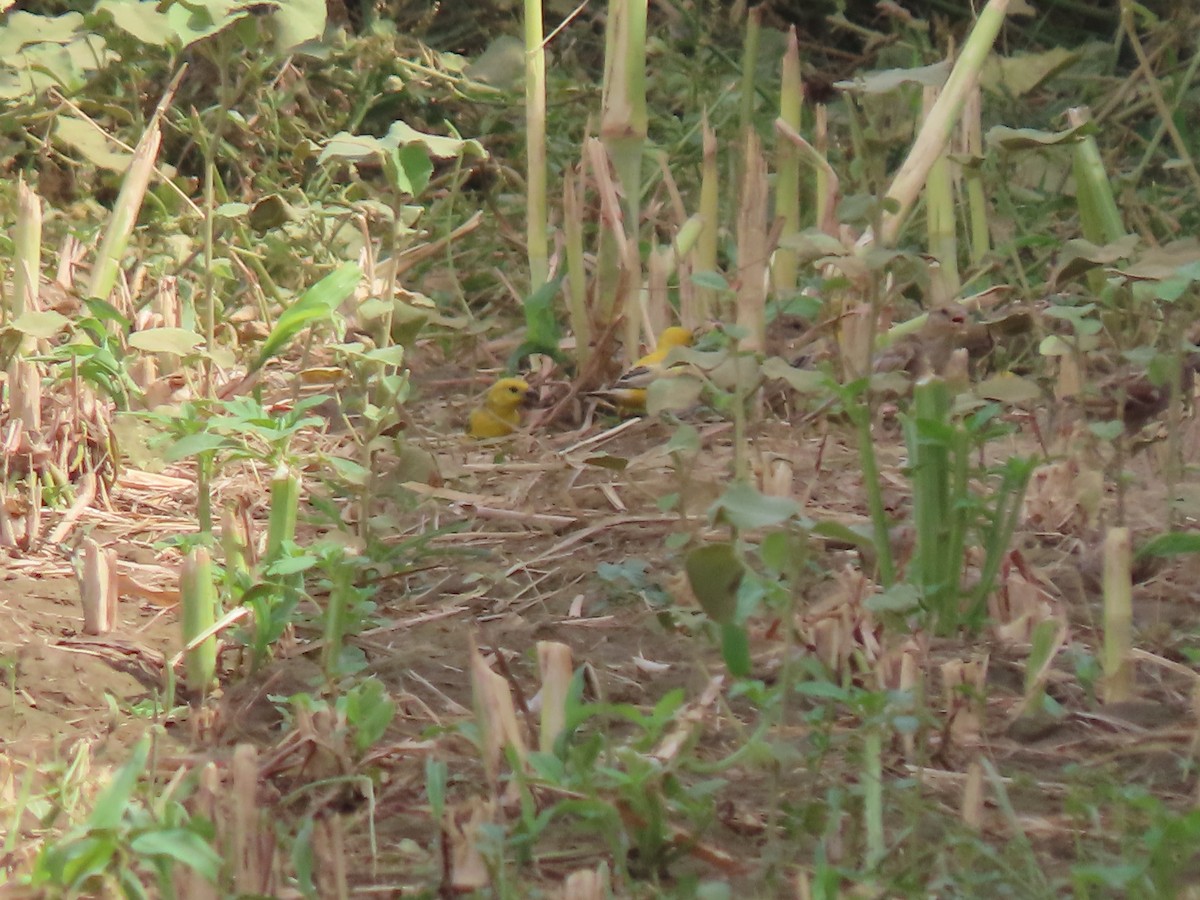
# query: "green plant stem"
860,415
204,471
873,795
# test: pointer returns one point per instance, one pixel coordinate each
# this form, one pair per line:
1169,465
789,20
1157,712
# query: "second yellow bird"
500,412
628,393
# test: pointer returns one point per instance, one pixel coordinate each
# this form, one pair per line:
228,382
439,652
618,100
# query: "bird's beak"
530,398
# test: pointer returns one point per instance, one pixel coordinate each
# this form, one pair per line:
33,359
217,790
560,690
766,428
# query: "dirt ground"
525,530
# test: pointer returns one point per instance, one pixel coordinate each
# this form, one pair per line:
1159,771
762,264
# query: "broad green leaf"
193,445
1173,543
714,573
195,21
783,552
899,598
1008,388
402,133
22,29
501,65
179,341
183,846
685,440
92,143
714,281
1020,73
298,21
352,147
63,67
140,19
314,305
542,332
673,393
1079,256
735,650
268,212
804,381
41,325
744,507
1011,139
1107,431
409,169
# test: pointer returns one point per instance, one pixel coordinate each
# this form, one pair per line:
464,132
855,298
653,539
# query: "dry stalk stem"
1118,616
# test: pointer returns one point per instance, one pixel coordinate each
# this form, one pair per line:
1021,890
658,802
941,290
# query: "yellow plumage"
628,393
500,412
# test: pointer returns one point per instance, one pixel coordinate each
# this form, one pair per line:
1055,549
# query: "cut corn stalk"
785,268
535,145
98,588
1099,217
285,506
27,259
939,124
554,664
1118,616
198,597
940,220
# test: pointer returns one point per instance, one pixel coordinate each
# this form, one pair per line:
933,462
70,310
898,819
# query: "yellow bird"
500,412
628,393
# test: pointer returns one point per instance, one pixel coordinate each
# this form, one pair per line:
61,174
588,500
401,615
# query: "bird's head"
675,336
510,393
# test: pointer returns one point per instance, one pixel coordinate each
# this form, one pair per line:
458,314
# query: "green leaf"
745,508
501,65
317,304
1008,388
1031,138
804,381
542,333
179,341
298,21
899,598
181,845
783,552
41,325
409,169
268,212
435,785
1107,431
735,650
81,860
714,281
92,143
685,440
194,445
114,799
607,461
141,20
1020,73
1172,543
714,573
674,393
839,532
22,29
